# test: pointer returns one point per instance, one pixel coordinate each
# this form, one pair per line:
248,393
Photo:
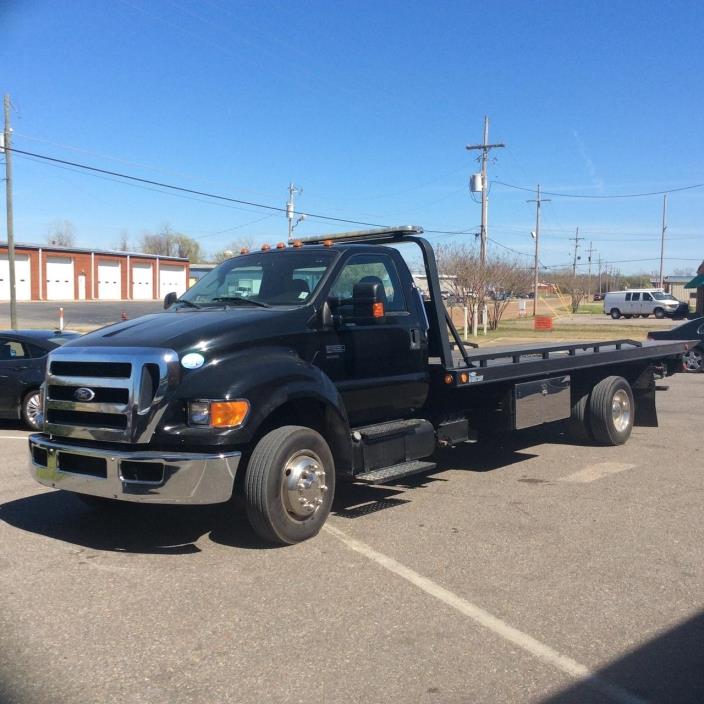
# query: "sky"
368,106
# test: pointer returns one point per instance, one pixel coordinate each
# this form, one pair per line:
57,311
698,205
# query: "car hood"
184,329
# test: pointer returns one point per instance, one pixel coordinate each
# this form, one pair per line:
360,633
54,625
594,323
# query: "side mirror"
169,299
368,300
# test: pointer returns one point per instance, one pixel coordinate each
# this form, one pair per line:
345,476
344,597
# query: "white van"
640,302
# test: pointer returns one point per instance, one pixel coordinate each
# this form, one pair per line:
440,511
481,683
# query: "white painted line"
597,471
13,437
531,645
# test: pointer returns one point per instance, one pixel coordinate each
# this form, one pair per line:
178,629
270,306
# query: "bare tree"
169,243
467,279
572,285
506,278
233,249
123,242
61,233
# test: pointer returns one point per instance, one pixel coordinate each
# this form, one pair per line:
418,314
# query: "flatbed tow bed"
284,371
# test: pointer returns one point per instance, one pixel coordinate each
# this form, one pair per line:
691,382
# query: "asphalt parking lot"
529,571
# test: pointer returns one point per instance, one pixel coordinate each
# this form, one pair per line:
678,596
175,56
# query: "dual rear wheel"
605,414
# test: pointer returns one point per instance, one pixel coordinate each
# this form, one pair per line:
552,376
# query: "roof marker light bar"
382,234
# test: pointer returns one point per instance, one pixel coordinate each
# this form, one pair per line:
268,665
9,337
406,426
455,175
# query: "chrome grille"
107,394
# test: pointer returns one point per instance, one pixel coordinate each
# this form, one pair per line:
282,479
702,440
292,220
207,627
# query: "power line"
205,194
603,197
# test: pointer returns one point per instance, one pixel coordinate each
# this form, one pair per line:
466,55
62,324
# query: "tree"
572,285
123,243
168,243
506,277
61,233
233,249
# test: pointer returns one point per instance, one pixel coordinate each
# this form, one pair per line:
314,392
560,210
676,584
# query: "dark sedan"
690,330
22,366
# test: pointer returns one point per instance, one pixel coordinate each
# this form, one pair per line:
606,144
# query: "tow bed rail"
508,363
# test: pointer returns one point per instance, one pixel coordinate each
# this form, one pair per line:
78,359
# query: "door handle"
415,338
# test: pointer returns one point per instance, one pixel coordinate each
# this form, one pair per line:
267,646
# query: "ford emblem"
84,394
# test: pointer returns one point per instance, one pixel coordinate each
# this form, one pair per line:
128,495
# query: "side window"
647,297
36,351
628,296
11,349
371,268
636,297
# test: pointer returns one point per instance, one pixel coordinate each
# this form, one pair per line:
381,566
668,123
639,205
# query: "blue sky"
368,106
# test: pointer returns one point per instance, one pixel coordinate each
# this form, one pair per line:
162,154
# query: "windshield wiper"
241,299
190,304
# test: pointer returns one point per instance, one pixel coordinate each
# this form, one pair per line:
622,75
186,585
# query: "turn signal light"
228,414
378,310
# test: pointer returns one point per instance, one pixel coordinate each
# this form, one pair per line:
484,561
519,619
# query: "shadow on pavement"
667,669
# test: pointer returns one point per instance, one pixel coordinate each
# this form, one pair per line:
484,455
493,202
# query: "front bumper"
143,477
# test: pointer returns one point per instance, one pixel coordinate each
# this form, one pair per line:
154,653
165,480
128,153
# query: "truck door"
634,308
646,306
380,367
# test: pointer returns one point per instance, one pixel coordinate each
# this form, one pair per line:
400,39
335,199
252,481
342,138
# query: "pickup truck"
286,370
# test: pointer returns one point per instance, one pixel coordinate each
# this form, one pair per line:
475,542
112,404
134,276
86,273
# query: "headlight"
218,414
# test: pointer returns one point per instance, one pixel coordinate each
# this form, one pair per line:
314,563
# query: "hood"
184,329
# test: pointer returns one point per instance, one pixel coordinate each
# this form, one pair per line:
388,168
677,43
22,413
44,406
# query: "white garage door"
23,288
59,279
142,280
109,281
172,278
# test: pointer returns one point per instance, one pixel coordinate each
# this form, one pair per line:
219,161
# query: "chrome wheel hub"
621,410
693,360
33,408
303,488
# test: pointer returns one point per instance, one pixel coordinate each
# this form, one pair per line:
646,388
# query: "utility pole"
10,220
599,265
589,275
537,200
485,148
290,209
576,239
662,237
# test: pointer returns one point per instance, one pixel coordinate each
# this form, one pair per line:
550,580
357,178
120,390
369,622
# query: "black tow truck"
286,370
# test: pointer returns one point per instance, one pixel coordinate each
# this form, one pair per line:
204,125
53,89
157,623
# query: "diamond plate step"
395,471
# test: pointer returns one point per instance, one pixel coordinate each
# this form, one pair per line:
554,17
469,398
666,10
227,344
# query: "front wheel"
615,313
289,485
32,409
659,313
612,411
693,360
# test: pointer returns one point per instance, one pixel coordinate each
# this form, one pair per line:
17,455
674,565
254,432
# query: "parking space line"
596,471
487,620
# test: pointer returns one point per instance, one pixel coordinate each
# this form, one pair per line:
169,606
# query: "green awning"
696,282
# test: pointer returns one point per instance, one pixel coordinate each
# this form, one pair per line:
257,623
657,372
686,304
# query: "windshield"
285,278
660,296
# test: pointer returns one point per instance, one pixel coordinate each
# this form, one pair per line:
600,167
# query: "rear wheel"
289,485
659,313
578,424
615,313
32,409
612,411
627,315
693,360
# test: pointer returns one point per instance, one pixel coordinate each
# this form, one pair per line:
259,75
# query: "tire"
693,360
281,507
611,411
628,316
578,425
645,315
615,313
659,313
31,409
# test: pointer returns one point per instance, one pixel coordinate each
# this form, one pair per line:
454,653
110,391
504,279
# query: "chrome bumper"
145,477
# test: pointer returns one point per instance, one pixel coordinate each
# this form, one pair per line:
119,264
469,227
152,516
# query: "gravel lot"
534,571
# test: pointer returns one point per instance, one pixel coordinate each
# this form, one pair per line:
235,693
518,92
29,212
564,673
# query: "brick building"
52,273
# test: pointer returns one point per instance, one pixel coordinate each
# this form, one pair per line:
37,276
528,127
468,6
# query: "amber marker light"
228,414
297,244
464,377
448,378
327,243
266,247
378,310
244,250
280,245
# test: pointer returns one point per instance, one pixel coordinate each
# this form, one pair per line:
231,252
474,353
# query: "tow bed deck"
511,362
